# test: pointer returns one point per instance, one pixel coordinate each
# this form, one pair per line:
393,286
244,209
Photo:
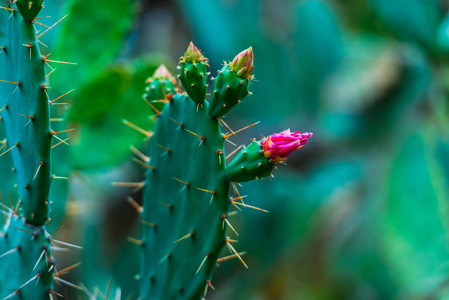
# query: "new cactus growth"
159,88
26,260
231,84
193,73
187,188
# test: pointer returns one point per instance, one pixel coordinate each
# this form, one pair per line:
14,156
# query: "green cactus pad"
24,254
25,113
193,77
249,164
228,90
29,9
186,195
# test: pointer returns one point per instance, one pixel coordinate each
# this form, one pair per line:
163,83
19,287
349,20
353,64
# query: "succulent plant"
185,213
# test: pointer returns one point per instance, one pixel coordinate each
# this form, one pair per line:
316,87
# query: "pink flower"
278,146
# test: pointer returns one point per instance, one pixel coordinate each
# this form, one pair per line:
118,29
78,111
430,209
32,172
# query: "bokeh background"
361,212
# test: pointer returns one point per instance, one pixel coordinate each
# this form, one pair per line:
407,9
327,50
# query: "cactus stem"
9,150
51,102
10,251
240,130
223,217
195,134
230,257
185,237
135,241
134,204
50,27
183,182
143,164
137,128
231,248
202,263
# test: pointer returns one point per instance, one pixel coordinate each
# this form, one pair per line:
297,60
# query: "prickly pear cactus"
27,264
187,188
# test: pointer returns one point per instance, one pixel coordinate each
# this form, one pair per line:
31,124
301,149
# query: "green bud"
192,55
243,63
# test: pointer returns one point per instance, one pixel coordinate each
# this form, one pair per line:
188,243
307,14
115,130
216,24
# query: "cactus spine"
187,188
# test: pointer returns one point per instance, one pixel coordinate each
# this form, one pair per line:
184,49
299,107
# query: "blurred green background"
361,212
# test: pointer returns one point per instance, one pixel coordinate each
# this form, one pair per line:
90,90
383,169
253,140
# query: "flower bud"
192,55
162,72
243,63
278,146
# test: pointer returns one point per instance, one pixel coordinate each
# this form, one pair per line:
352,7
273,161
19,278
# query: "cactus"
187,188
25,246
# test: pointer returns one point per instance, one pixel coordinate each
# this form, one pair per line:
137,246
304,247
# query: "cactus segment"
193,73
227,91
29,9
186,196
193,77
159,88
25,113
249,164
26,260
